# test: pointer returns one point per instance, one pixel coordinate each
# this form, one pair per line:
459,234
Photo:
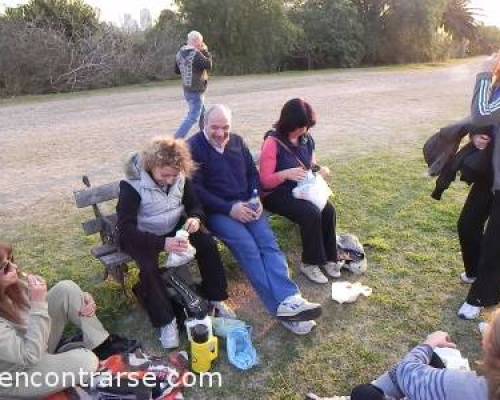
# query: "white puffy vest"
159,212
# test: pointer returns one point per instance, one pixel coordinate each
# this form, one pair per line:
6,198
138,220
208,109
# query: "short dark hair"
296,113
482,130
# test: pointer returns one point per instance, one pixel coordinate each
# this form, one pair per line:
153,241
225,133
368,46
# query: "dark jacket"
193,66
445,160
485,110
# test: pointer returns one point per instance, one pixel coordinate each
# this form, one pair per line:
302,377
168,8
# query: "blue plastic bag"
240,350
222,326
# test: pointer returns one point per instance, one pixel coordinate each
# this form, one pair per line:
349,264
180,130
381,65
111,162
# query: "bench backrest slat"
97,194
95,225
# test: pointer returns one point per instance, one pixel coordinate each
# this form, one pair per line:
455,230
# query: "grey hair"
193,37
219,107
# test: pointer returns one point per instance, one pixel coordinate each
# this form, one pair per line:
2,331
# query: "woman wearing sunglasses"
32,322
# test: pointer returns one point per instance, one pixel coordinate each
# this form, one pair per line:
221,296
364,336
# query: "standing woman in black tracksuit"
476,209
485,110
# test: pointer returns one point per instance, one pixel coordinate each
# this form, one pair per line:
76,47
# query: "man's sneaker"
332,269
221,309
296,308
299,327
313,272
482,326
169,335
468,311
467,280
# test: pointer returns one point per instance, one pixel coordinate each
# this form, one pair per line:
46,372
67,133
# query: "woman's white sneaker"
169,335
468,311
313,272
299,327
332,269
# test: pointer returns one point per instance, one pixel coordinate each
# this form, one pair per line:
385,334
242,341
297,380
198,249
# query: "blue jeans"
194,115
255,248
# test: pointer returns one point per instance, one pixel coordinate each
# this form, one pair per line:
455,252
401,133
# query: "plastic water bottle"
254,202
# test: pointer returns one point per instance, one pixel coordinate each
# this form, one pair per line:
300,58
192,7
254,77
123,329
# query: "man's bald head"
219,110
218,125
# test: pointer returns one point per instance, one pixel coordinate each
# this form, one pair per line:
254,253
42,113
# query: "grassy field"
414,264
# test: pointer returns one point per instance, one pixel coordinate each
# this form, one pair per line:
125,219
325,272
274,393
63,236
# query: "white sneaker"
221,309
333,268
465,279
169,335
468,311
482,326
296,308
313,272
299,327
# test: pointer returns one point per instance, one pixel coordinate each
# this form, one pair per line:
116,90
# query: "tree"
72,17
331,33
244,35
486,41
372,14
459,19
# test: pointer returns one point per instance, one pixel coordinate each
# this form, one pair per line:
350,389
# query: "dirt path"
47,145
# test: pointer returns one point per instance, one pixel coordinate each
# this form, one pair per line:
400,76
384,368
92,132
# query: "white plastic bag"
452,358
313,188
176,260
347,292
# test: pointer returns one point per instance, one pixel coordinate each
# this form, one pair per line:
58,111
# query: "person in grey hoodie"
192,62
485,110
417,377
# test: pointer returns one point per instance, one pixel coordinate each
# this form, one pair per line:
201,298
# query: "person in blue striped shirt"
419,377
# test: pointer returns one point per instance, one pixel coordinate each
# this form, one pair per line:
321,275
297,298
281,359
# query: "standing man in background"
193,61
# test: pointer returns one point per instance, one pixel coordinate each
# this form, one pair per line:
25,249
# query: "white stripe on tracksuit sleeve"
485,108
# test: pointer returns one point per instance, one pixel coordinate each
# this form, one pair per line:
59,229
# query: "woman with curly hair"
156,200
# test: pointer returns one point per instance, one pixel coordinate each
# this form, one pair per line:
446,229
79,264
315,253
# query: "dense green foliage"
246,36
60,45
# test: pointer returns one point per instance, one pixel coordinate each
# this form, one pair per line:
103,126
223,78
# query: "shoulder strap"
282,144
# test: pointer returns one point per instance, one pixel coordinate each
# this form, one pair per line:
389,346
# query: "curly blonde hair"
166,151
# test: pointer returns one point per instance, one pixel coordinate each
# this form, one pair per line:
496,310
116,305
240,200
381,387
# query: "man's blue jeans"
194,115
255,248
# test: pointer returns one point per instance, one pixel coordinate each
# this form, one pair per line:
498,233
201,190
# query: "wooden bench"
104,223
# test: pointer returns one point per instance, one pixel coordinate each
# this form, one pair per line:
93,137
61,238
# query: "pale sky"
113,10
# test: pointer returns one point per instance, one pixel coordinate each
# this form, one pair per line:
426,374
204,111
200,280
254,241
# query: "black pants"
471,225
485,291
372,392
317,228
152,291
